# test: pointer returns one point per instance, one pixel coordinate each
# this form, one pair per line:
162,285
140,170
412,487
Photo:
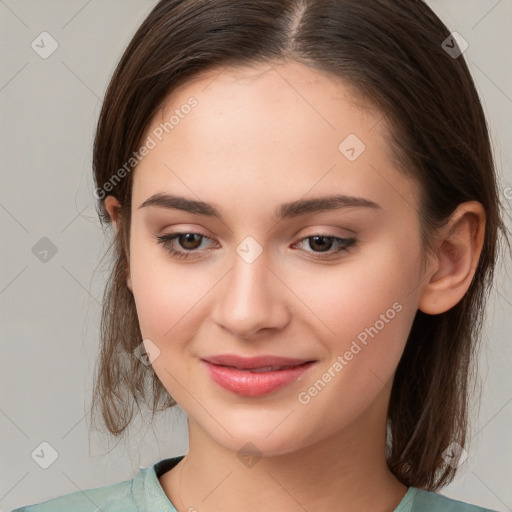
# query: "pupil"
189,239
316,238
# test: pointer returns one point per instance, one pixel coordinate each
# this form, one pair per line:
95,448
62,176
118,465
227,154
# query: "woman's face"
282,154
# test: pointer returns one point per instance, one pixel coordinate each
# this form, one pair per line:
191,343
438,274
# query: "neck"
346,472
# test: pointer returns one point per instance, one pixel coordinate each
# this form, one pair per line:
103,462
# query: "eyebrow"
283,211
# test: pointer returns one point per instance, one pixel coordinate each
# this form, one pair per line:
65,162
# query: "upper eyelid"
176,234
345,245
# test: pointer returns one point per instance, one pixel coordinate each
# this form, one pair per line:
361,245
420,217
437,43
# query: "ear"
113,208
458,252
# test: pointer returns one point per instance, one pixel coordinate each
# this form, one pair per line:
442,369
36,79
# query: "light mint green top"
145,494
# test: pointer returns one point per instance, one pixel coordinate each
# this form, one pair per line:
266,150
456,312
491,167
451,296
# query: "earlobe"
459,247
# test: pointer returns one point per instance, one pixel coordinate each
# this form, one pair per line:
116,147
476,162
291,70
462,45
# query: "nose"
252,299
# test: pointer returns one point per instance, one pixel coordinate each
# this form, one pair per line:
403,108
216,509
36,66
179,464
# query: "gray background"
50,310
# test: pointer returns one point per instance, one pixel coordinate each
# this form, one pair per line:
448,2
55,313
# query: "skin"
260,137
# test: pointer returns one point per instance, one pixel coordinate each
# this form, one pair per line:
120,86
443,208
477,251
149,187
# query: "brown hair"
391,52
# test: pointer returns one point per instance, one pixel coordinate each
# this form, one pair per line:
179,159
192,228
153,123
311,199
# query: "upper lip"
254,362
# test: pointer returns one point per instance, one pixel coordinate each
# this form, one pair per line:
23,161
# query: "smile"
255,381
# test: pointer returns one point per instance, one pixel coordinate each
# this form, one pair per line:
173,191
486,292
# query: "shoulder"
110,498
142,493
427,501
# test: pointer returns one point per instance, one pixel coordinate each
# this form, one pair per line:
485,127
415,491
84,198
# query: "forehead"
273,129
272,96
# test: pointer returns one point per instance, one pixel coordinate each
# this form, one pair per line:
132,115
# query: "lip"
239,374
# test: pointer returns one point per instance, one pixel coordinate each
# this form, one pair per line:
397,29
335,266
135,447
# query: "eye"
324,243
190,243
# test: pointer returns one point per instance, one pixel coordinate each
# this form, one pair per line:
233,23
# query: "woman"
307,221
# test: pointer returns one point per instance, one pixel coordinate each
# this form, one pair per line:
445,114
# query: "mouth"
255,376
262,369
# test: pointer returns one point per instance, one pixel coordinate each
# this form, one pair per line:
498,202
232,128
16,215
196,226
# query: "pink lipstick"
254,376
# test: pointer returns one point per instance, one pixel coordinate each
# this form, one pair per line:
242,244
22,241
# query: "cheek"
165,308
169,297
368,308
350,297
160,298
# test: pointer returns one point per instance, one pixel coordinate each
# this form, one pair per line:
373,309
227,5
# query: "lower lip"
247,383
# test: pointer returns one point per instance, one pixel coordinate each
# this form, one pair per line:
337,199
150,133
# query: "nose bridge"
250,299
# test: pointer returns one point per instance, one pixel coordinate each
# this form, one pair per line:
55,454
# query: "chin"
257,442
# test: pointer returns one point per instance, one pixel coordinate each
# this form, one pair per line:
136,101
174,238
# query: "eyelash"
167,242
